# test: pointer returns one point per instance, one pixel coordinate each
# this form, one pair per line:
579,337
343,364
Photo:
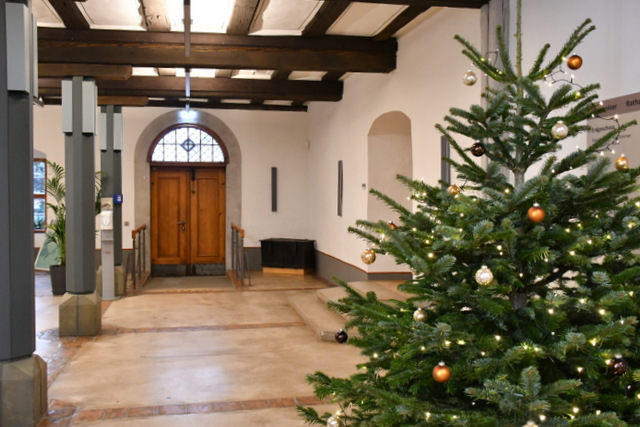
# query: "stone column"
80,310
111,142
23,375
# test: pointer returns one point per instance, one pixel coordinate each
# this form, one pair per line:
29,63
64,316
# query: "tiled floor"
188,352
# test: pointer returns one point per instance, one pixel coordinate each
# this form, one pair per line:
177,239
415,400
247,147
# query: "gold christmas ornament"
560,130
574,62
453,189
622,163
441,373
484,276
368,256
420,315
334,421
536,213
469,78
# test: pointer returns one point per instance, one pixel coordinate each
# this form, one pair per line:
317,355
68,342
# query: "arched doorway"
188,165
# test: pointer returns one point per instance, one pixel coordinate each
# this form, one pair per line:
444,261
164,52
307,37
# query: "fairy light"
482,353
550,311
447,343
580,369
499,247
602,311
461,342
506,191
423,348
598,412
594,342
497,337
430,255
583,300
427,415
375,355
572,253
590,241
543,418
575,409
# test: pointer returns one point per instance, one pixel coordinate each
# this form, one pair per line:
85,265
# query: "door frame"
141,212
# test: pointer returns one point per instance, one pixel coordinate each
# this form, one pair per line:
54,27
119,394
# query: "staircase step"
331,294
384,292
316,315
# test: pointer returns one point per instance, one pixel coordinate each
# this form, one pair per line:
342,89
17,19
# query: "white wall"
267,139
426,83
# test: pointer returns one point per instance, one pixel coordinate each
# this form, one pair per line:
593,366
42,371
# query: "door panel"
207,217
187,216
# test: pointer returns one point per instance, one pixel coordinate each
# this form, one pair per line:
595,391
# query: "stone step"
316,315
384,290
331,294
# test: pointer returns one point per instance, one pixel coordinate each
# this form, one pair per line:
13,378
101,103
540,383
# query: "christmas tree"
523,307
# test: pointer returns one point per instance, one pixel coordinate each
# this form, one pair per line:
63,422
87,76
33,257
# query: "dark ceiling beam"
70,14
154,15
163,87
281,74
328,13
242,16
406,16
97,71
147,49
332,76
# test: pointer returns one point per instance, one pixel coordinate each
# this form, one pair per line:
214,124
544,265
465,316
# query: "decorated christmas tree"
524,304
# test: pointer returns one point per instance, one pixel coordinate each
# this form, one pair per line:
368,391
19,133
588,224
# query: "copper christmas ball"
560,130
392,225
536,213
478,149
453,189
622,163
441,373
618,366
574,62
341,336
368,256
469,78
420,315
484,276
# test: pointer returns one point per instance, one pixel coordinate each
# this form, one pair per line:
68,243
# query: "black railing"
137,261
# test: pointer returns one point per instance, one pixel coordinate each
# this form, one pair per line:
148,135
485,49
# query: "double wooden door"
187,217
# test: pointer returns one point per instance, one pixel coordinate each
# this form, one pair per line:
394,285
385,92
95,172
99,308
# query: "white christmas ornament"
560,130
469,78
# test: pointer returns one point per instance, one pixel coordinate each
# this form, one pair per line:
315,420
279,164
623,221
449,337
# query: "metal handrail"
139,254
239,259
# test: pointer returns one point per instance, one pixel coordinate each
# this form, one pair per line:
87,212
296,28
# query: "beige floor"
189,352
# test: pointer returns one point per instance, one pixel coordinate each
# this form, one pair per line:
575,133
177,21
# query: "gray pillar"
80,310
80,196
111,165
23,376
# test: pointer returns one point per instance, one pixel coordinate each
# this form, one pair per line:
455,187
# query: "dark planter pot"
58,279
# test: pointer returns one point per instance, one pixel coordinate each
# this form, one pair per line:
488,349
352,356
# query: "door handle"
182,223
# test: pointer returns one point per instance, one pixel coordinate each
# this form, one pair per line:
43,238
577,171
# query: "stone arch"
142,170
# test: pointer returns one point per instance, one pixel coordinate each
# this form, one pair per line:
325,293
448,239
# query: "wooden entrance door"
187,218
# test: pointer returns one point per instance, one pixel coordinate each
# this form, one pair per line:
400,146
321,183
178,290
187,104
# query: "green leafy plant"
56,188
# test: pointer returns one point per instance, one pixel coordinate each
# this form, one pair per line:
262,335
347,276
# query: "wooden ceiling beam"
97,71
154,15
290,90
147,49
406,16
70,14
242,17
328,13
475,4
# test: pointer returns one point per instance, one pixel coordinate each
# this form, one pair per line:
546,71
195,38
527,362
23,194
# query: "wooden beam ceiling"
70,14
154,15
146,49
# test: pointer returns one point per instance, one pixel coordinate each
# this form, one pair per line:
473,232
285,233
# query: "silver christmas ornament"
469,78
530,424
484,276
560,130
420,315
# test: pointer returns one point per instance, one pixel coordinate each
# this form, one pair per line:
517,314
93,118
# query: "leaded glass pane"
39,177
39,209
187,144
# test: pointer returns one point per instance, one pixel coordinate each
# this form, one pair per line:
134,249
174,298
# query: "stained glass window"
39,194
188,144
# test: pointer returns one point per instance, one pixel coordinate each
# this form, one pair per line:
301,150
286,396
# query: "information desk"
287,255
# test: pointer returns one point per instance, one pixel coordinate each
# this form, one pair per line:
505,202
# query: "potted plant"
56,230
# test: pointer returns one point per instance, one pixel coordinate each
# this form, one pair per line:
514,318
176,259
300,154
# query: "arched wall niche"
142,170
389,154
